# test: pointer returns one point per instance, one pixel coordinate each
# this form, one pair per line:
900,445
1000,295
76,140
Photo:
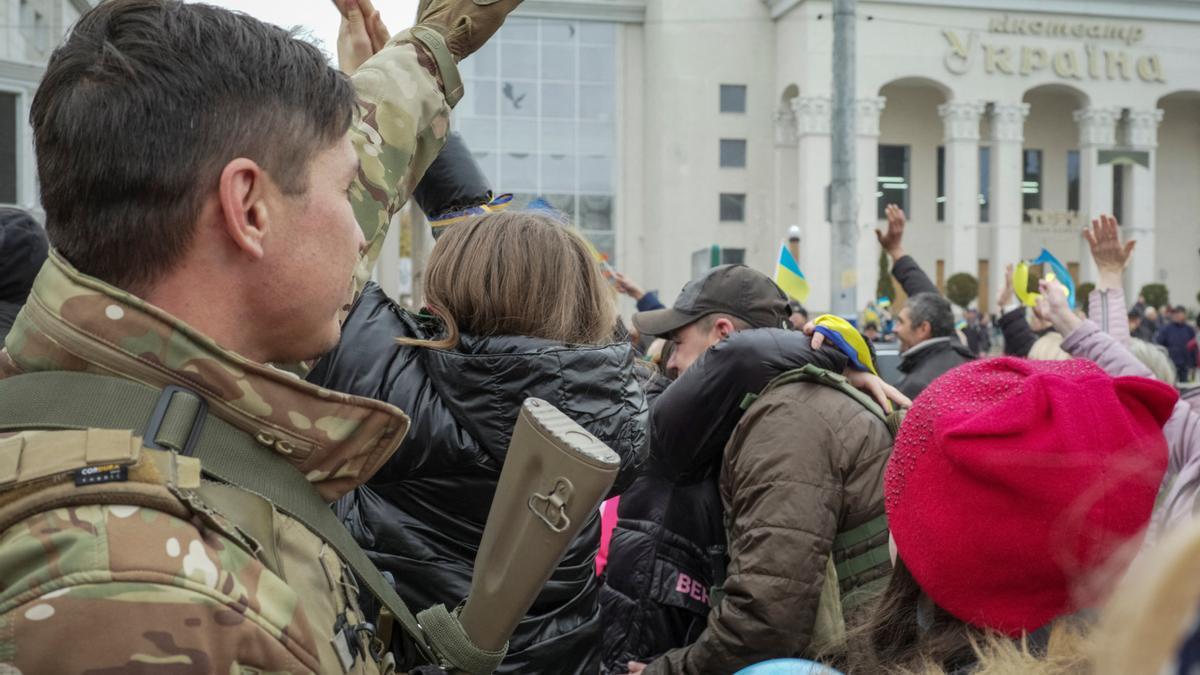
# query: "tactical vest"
103,440
860,563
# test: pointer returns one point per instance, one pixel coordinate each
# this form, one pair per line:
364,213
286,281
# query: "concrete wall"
1178,199
691,48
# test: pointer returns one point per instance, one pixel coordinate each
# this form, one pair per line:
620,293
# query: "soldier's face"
316,248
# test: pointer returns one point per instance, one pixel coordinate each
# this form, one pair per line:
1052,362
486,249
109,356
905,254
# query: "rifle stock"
554,478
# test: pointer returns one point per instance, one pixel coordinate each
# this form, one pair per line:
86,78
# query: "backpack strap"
177,419
812,373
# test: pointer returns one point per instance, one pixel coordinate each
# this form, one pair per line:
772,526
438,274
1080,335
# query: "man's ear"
724,328
243,189
925,331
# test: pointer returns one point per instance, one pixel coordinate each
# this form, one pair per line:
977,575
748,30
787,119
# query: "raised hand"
892,240
361,34
1052,307
465,24
624,285
1111,255
1006,293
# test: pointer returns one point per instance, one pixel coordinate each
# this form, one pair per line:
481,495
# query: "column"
1097,131
786,207
960,122
867,167
1007,208
812,129
1139,205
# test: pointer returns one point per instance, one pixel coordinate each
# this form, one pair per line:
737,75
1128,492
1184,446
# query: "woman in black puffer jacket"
519,309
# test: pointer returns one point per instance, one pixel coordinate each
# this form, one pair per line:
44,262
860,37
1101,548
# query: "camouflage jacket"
163,581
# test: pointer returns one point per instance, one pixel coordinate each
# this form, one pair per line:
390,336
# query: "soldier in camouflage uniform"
146,573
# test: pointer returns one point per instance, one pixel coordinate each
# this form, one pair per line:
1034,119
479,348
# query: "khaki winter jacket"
805,462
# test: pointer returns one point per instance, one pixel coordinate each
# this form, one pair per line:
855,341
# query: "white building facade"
665,127
29,31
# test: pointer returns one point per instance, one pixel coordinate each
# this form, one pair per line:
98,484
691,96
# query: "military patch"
106,473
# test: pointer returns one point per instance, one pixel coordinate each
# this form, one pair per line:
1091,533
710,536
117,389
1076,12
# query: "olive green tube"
554,478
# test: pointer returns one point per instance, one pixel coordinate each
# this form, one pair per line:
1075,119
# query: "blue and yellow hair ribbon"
847,338
788,276
1058,272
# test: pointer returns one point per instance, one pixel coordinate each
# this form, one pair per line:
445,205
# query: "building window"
985,177
733,153
1031,182
733,256
8,148
34,27
941,184
541,118
733,98
733,207
893,178
985,183
1073,180
707,258
1118,211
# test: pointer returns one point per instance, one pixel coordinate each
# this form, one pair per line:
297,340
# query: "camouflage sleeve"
401,124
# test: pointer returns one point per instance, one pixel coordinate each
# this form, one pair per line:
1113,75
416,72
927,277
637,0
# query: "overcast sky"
319,17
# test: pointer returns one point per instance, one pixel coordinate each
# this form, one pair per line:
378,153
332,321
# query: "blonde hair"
1155,358
517,273
1151,611
1049,348
885,638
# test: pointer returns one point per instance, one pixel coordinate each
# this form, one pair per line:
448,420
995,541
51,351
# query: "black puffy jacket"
668,548
422,516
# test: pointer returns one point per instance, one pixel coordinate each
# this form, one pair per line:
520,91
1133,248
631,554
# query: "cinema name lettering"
1108,51
1048,219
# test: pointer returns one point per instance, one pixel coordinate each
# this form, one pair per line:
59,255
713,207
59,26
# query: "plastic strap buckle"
150,436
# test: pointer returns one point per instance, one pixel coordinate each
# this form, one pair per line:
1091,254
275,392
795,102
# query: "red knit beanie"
1012,479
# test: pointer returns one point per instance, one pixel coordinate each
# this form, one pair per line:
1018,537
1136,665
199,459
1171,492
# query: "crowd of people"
215,197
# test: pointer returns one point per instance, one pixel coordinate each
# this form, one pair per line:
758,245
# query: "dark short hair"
1135,314
935,309
143,106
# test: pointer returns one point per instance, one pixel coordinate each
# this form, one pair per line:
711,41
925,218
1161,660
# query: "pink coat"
1182,429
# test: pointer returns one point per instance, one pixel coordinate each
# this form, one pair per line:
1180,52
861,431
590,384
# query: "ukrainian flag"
1058,271
789,277
847,338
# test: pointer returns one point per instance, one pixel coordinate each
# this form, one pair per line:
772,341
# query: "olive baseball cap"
735,290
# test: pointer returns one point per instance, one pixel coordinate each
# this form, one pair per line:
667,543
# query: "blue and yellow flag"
440,223
1058,271
789,277
847,338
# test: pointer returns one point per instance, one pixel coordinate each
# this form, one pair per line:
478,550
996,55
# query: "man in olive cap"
727,299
